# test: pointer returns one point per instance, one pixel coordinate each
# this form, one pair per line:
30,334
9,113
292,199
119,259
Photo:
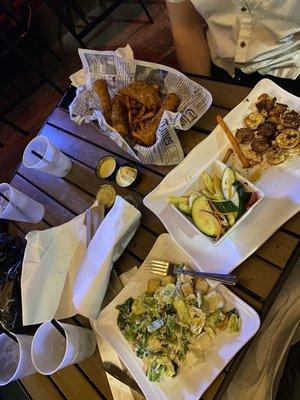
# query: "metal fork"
165,268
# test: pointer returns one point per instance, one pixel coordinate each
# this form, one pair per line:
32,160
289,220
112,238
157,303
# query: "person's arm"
189,38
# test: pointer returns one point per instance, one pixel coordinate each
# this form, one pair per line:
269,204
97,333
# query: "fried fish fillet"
147,135
142,92
100,87
119,117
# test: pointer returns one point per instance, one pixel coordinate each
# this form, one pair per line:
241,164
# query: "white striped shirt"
253,35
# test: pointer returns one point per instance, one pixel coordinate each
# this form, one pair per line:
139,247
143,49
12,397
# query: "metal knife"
113,370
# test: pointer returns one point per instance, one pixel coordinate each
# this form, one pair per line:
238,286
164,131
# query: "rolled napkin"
61,277
105,248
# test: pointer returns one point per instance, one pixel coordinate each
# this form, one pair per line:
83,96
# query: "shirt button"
242,44
243,9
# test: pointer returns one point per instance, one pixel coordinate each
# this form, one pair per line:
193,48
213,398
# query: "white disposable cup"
15,358
54,162
51,351
20,207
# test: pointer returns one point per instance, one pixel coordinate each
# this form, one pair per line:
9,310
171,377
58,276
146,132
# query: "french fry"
127,102
227,155
156,87
142,111
234,142
145,117
130,119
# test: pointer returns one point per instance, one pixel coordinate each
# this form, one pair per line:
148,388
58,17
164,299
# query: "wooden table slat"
293,224
257,275
208,121
41,387
278,248
224,95
212,390
74,385
257,305
91,366
190,139
125,263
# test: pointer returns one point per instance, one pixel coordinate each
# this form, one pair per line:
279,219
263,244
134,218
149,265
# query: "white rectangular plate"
189,384
280,185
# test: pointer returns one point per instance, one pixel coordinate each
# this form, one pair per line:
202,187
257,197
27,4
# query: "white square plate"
189,384
279,183
216,168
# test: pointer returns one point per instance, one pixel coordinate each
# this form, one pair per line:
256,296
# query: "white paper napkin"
105,248
60,277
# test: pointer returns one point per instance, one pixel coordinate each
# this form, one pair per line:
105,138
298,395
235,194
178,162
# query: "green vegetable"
173,326
201,203
228,178
124,310
181,310
240,198
215,196
233,324
225,206
205,221
177,199
231,218
218,186
208,182
214,318
155,372
184,208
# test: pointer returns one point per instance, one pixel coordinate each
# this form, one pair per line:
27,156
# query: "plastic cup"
53,161
15,358
51,351
19,207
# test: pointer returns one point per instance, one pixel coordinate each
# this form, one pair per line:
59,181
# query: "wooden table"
260,276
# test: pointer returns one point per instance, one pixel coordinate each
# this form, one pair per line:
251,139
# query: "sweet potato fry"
130,119
144,117
101,90
127,102
234,142
142,111
156,87
227,155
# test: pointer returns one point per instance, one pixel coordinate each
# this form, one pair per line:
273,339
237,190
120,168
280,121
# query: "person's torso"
253,34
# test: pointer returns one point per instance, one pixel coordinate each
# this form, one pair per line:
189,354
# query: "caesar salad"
174,323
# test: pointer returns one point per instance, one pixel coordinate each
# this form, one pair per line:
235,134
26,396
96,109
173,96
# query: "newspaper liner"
119,69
